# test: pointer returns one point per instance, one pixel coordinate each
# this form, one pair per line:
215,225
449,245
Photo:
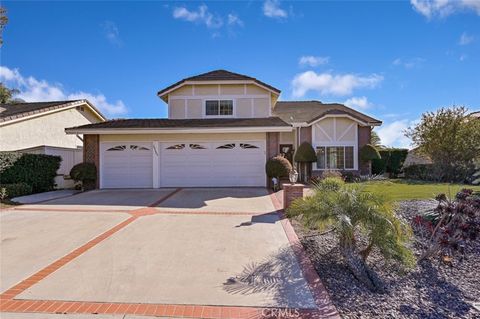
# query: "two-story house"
221,129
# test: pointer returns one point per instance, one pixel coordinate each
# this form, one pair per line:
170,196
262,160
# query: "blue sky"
392,60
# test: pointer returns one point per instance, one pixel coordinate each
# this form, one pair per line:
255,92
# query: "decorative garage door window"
246,145
176,147
138,148
226,146
117,148
197,147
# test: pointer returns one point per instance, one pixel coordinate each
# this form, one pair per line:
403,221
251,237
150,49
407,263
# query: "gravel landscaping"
430,290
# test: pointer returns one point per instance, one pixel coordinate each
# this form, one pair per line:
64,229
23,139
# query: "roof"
11,111
166,124
475,114
218,75
310,111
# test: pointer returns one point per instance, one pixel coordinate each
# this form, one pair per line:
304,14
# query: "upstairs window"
219,107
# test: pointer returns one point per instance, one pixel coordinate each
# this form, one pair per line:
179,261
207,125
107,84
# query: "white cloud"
463,57
465,39
313,61
408,63
202,16
392,134
271,9
111,32
233,20
334,84
360,102
443,8
33,90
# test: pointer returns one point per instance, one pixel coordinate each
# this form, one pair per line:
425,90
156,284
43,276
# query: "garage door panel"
126,165
224,163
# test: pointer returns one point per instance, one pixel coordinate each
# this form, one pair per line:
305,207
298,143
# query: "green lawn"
405,190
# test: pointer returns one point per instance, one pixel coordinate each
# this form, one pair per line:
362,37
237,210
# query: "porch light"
293,176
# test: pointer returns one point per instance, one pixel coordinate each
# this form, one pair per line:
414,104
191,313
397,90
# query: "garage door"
125,165
228,163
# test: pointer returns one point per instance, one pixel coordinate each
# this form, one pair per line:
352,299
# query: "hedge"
36,170
423,172
15,190
391,161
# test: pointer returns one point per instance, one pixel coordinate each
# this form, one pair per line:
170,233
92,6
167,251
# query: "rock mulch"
430,290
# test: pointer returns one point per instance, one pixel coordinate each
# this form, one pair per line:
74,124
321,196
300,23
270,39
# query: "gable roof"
12,111
217,75
181,124
311,111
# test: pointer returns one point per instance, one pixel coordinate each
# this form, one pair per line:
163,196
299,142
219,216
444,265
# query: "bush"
368,153
391,161
278,166
85,173
17,189
36,170
423,172
331,173
305,153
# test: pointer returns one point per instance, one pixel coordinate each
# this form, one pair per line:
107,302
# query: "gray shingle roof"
185,123
218,75
11,111
309,111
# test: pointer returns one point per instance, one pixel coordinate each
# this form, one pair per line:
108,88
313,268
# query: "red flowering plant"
452,225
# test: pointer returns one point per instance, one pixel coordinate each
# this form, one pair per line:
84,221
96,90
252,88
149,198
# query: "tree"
3,22
6,94
451,139
349,211
375,140
304,154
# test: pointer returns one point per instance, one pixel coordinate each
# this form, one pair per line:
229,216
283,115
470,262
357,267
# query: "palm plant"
350,211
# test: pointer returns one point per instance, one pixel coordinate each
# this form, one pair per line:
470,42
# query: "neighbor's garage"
182,164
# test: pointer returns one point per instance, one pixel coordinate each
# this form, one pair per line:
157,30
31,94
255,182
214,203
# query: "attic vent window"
219,107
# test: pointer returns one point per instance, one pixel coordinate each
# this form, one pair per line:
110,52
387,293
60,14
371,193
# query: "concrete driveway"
203,253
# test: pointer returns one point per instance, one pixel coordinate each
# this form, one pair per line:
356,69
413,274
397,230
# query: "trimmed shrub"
15,190
391,161
36,170
85,173
278,166
368,153
331,174
305,153
423,172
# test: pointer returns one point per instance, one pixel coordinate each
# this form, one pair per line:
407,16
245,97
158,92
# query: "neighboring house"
475,114
39,128
221,129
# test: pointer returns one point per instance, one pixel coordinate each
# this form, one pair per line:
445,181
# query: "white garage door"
229,163
126,164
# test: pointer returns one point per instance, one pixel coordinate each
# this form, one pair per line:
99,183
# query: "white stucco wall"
48,129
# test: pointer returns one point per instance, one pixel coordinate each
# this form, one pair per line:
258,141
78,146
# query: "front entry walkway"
227,253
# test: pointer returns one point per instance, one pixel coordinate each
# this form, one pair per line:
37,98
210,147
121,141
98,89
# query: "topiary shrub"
304,154
85,173
368,153
15,190
278,166
36,170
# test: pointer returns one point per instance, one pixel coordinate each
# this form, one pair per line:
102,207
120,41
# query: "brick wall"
364,136
291,193
91,152
273,139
